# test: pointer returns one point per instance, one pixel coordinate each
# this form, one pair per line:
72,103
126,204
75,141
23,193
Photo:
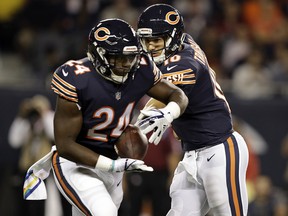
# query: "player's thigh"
86,189
223,176
187,198
212,171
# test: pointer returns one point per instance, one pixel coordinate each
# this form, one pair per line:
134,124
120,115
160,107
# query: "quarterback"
211,176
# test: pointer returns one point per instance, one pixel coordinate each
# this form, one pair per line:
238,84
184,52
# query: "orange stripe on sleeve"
73,94
64,82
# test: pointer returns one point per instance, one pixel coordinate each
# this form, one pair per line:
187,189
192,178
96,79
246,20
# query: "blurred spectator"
251,80
81,14
264,19
35,20
279,69
40,51
269,200
121,9
32,132
231,15
235,49
40,31
210,41
195,13
256,146
49,51
75,7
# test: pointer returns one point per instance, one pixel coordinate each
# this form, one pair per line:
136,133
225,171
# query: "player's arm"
158,120
152,103
164,92
67,125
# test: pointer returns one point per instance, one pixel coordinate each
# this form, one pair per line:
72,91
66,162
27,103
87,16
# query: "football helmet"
161,20
114,49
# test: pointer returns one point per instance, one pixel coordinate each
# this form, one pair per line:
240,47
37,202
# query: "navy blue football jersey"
207,119
106,107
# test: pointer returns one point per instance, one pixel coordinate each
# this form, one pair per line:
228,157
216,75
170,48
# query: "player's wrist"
171,111
105,164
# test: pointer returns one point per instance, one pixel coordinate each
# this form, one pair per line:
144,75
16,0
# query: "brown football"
132,143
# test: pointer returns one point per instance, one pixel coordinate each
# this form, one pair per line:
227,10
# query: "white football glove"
121,165
157,121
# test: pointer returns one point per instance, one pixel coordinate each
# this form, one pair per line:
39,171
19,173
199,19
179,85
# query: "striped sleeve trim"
63,88
157,74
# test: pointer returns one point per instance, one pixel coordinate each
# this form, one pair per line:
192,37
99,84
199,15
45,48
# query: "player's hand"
121,165
128,164
156,120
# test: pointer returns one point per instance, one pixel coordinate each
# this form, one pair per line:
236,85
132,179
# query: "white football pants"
90,191
212,179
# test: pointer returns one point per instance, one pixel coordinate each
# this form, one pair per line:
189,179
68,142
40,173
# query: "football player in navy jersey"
211,175
96,96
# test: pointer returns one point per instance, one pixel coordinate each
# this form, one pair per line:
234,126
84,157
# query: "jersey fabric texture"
207,120
106,107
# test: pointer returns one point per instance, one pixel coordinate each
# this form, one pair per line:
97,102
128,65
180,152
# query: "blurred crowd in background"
245,40
246,43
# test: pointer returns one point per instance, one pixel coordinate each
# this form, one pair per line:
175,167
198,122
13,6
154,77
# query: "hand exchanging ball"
132,143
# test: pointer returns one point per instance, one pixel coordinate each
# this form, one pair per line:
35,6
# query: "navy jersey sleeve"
147,65
157,74
185,68
182,74
206,120
63,83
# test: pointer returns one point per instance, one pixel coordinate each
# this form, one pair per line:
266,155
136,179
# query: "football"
132,143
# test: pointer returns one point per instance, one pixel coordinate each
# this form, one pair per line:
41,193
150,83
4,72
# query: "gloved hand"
156,120
121,165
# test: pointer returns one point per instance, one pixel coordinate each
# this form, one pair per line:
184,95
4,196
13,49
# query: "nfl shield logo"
118,95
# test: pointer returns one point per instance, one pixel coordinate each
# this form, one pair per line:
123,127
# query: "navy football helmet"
161,20
113,48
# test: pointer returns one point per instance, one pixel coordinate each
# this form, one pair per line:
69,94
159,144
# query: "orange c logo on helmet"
172,22
102,38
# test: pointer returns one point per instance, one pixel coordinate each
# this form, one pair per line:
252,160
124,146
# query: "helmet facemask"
167,50
121,65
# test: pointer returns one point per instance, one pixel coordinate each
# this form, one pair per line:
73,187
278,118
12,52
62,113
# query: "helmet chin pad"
119,79
159,59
